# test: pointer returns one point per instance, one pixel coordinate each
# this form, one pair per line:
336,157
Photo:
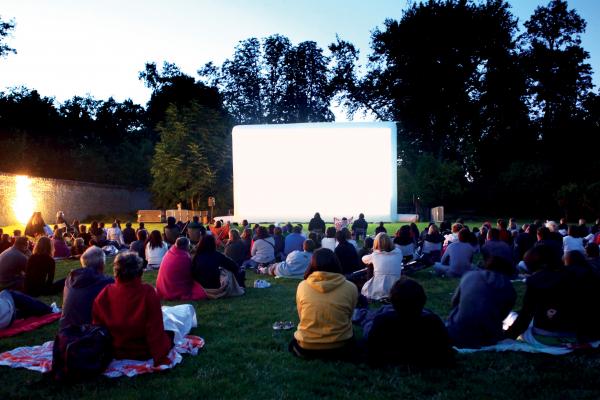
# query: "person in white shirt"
156,249
573,241
387,267
328,241
263,249
115,234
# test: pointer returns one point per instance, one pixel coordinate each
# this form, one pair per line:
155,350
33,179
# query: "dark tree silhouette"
6,28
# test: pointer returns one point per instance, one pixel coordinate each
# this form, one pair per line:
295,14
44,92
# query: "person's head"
456,227
114,225
501,224
277,231
464,235
271,229
6,238
361,216
582,221
207,244
460,221
381,224
247,234
552,226
128,224
323,260
493,234
79,243
330,232
245,223
591,250
297,229
563,221
383,242
404,232
93,258
368,244
21,244
543,233
574,258
308,246
82,229
317,215
408,297
142,225
128,266
499,264
234,235
218,224
171,221
341,236
1,231
262,233
43,246
541,257
155,239
512,221
196,218
101,224
574,231
16,233
433,229
183,243
142,235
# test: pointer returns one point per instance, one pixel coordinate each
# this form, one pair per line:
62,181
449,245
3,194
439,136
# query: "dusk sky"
67,48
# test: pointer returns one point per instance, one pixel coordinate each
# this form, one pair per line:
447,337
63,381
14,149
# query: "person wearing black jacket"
206,263
346,253
317,225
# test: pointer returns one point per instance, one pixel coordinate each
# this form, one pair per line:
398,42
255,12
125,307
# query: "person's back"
387,267
175,280
294,265
13,263
171,231
523,242
293,242
237,251
348,256
129,235
459,256
497,248
481,302
206,264
39,274
263,250
195,230
61,250
82,286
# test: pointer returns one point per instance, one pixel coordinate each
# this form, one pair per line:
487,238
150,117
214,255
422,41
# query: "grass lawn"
245,358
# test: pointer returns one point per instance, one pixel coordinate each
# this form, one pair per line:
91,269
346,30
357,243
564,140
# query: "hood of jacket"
324,282
84,277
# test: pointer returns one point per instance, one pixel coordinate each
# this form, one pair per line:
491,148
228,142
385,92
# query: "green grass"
245,358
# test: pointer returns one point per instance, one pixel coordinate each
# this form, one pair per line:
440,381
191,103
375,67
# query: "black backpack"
81,352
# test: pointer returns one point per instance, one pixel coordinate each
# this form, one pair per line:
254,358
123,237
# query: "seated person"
573,241
171,231
457,258
16,305
496,247
295,263
195,230
359,227
129,235
207,263
405,332
263,249
78,247
59,246
325,301
404,241
175,280
593,257
366,249
5,242
346,252
81,288
329,242
432,244
139,246
279,243
220,232
13,263
481,302
236,248
294,240
387,267
131,312
115,235
155,250
380,228
40,269
549,300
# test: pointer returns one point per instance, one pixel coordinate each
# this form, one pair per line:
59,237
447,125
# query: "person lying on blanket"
131,312
16,305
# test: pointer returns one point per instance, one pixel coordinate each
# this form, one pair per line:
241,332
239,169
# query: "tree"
192,160
6,28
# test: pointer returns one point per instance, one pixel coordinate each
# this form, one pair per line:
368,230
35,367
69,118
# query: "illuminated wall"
289,172
20,196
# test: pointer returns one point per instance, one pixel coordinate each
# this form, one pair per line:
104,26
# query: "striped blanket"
39,358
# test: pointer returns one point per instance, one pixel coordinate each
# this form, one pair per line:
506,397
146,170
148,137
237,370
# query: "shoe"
54,308
261,284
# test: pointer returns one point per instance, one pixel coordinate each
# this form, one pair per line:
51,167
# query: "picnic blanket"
529,344
28,324
39,358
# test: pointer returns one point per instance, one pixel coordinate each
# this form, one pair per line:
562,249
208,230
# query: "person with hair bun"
387,267
325,302
131,312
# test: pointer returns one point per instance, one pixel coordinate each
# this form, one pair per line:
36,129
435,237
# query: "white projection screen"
288,172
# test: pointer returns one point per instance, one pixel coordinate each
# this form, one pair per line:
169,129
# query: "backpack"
81,352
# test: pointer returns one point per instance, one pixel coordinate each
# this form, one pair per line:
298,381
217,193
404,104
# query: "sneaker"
261,284
54,308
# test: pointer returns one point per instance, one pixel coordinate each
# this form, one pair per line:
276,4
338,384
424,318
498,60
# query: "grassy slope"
245,358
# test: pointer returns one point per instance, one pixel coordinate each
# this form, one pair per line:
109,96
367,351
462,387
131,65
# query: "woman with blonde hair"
387,267
40,269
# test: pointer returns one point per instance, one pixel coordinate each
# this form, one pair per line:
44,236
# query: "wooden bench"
150,216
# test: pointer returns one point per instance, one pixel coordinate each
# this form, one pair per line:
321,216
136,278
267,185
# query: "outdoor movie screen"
288,172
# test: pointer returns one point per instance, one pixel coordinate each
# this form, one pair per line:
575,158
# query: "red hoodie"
175,280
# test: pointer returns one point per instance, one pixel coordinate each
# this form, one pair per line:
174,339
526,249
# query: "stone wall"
77,199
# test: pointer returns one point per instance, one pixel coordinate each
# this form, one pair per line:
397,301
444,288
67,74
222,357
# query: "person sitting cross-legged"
457,258
496,247
81,288
131,312
218,274
405,332
39,274
325,301
13,263
295,263
175,280
294,240
387,267
481,302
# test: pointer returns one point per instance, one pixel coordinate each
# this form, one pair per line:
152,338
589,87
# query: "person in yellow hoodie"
325,302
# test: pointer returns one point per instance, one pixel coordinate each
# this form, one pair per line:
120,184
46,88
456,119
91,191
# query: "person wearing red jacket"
131,312
175,280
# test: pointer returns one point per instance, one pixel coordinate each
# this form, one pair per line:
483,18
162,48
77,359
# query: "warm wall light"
288,172
23,204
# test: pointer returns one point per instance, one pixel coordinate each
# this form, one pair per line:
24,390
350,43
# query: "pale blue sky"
98,47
